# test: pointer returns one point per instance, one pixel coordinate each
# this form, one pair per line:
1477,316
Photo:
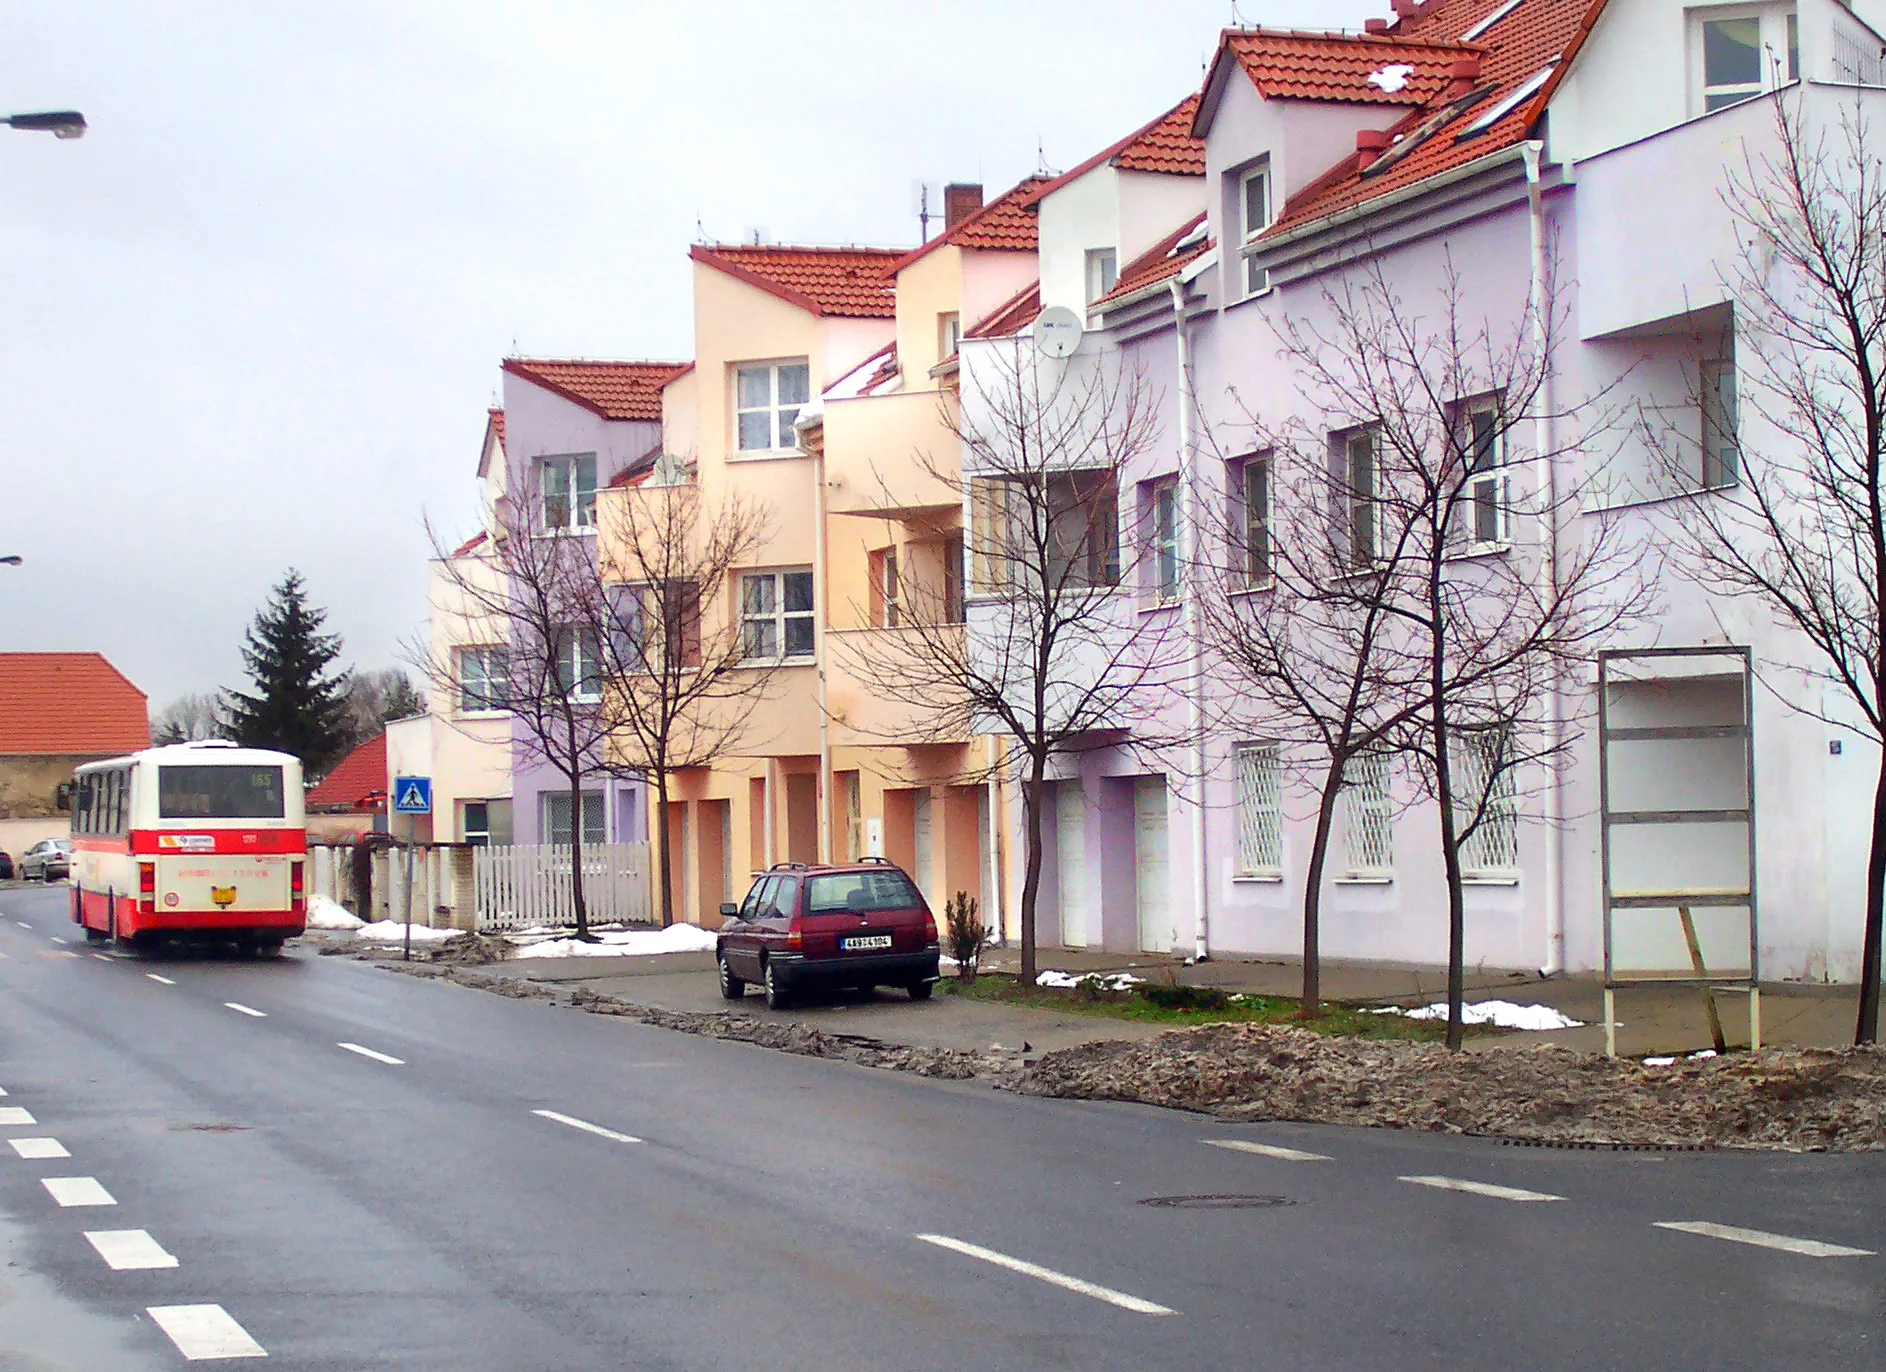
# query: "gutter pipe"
1189,618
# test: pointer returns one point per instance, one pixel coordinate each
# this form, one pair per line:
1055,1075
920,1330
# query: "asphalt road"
329,1208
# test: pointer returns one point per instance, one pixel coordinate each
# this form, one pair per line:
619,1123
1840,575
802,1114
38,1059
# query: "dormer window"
1253,219
1740,53
1103,270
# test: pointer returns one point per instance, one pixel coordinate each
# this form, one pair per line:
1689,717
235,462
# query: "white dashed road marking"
57,939
154,977
1047,1274
129,1250
586,1126
39,1148
23,924
77,1191
242,1009
1481,1188
1268,1150
104,957
11,1116
1807,1248
369,1053
202,1332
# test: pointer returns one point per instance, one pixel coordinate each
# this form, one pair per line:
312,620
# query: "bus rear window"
860,892
219,793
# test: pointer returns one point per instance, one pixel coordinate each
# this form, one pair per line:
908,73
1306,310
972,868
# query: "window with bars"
1482,782
557,826
1260,809
1368,816
776,614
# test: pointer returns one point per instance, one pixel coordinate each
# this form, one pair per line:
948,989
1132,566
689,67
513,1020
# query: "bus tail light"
297,892
147,888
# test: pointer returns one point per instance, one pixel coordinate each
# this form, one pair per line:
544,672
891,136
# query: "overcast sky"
253,319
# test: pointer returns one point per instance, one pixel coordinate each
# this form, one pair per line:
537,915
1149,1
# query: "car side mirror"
728,910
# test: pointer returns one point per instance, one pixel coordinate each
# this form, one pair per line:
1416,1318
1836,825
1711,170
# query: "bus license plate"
859,943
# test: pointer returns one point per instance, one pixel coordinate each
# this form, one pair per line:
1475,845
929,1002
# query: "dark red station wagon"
854,924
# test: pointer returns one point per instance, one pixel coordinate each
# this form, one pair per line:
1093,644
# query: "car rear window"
860,892
198,792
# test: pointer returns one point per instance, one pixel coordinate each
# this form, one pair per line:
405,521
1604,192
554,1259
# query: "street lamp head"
58,123
12,559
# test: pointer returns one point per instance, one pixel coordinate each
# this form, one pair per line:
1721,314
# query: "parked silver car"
48,860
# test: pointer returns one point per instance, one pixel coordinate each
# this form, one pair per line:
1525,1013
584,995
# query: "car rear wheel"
920,990
731,987
775,991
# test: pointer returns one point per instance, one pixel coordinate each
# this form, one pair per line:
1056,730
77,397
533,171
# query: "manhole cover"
1216,1202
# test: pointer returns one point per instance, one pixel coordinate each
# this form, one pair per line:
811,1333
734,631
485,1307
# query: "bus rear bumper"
271,924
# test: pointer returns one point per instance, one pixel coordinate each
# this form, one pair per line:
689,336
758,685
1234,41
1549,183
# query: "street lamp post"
58,123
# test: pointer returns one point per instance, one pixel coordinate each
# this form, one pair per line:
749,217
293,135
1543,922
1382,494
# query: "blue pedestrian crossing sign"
412,795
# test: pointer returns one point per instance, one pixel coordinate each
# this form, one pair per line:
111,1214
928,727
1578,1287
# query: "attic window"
1489,21
1523,92
1406,143
1392,79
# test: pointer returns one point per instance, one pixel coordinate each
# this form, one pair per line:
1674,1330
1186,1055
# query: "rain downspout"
1548,571
817,454
1189,619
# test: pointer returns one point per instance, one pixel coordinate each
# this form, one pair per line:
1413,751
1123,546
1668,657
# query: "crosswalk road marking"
1481,1188
39,1148
1267,1150
77,1191
1807,1248
129,1250
202,1332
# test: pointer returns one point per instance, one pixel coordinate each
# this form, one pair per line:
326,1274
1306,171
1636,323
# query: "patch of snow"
1502,1014
324,913
628,943
391,931
1704,1053
1067,981
1658,1062
1391,79
852,384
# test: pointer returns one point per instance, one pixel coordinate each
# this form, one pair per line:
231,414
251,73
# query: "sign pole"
407,955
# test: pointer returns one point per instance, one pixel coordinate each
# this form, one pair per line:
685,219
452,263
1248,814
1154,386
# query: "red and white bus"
196,841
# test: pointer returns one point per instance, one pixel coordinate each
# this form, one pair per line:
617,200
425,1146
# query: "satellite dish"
1057,331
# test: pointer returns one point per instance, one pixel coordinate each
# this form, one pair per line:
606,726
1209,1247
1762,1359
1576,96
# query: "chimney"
1406,9
960,200
1375,26
1463,76
1370,144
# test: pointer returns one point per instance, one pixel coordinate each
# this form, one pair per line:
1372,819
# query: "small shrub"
965,933
1185,997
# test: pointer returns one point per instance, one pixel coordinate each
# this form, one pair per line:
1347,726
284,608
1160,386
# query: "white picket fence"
527,885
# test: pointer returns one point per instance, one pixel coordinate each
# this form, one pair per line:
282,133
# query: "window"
1740,53
1732,60
579,664
1161,514
557,828
1722,444
995,547
1260,809
884,588
483,678
767,400
949,334
1480,432
953,579
776,614
663,626
1248,481
1368,819
569,491
759,897
1482,782
206,792
476,826
1794,47
1102,272
1253,219
860,893
1083,530
1355,452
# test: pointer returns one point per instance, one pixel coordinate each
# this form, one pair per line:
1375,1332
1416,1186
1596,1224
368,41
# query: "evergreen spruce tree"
299,706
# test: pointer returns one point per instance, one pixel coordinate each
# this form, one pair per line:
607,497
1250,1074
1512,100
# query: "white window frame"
479,837
579,664
949,334
1260,810
885,577
1486,480
1358,500
580,508
1255,279
1491,851
780,414
776,615
1772,55
1162,515
1103,272
488,656
1368,817
1721,420
1251,529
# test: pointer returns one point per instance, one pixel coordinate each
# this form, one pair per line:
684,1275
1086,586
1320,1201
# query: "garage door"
1070,846
1149,852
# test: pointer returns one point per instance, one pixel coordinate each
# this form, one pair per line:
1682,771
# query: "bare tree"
1050,656
374,698
1798,522
1467,606
684,680
187,719
534,588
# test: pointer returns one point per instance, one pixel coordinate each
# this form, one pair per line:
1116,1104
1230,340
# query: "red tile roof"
1154,128
1288,65
494,422
77,703
848,282
1162,261
358,781
470,545
1007,223
1517,47
614,390
1011,316
1167,144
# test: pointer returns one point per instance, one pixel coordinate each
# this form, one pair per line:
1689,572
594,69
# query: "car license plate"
860,942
